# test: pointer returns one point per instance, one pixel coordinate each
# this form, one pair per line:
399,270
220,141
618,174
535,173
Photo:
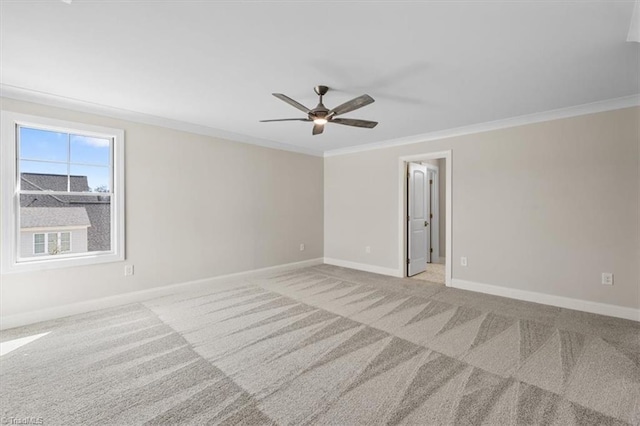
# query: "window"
61,183
55,243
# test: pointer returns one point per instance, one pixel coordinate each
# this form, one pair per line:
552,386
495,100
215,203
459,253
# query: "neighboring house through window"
54,243
65,183
52,229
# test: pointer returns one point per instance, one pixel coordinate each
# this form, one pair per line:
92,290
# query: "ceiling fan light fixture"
320,121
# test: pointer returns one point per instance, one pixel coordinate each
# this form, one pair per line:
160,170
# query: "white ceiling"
430,65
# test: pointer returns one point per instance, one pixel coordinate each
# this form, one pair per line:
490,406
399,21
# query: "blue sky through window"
88,150
43,145
62,153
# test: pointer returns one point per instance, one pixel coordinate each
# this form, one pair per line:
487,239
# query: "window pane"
43,145
88,150
38,243
90,179
42,176
89,215
65,241
52,243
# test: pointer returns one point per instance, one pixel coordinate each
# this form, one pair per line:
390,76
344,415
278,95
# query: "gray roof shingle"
50,217
51,182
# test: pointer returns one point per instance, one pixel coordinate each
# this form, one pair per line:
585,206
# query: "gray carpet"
326,345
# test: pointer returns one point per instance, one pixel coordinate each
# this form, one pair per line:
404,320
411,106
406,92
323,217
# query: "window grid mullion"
35,160
65,193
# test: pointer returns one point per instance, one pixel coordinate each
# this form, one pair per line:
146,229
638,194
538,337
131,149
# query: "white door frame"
402,205
434,222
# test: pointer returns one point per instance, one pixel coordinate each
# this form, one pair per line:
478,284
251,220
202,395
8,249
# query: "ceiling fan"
321,115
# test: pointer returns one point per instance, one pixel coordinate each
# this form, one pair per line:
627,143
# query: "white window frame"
10,262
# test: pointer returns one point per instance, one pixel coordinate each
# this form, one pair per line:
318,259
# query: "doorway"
423,214
425,206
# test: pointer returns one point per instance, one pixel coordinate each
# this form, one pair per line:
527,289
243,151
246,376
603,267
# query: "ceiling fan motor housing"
319,112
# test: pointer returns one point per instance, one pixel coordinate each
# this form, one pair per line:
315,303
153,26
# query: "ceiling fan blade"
291,102
286,119
317,129
354,122
352,105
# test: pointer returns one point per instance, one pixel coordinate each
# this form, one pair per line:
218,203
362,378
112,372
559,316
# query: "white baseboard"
26,318
17,320
364,267
549,299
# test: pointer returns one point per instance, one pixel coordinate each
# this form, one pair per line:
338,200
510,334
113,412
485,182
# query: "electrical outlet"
463,261
607,278
301,247
367,249
128,270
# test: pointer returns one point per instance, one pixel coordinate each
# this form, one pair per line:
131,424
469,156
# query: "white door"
417,219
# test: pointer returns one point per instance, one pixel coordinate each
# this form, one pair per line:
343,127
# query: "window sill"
60,263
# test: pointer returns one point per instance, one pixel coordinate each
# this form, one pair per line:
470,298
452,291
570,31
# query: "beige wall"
544,207
197,207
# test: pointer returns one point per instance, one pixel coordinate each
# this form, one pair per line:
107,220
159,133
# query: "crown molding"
574,111
27,95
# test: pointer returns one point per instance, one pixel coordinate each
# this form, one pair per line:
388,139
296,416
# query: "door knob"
426,223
